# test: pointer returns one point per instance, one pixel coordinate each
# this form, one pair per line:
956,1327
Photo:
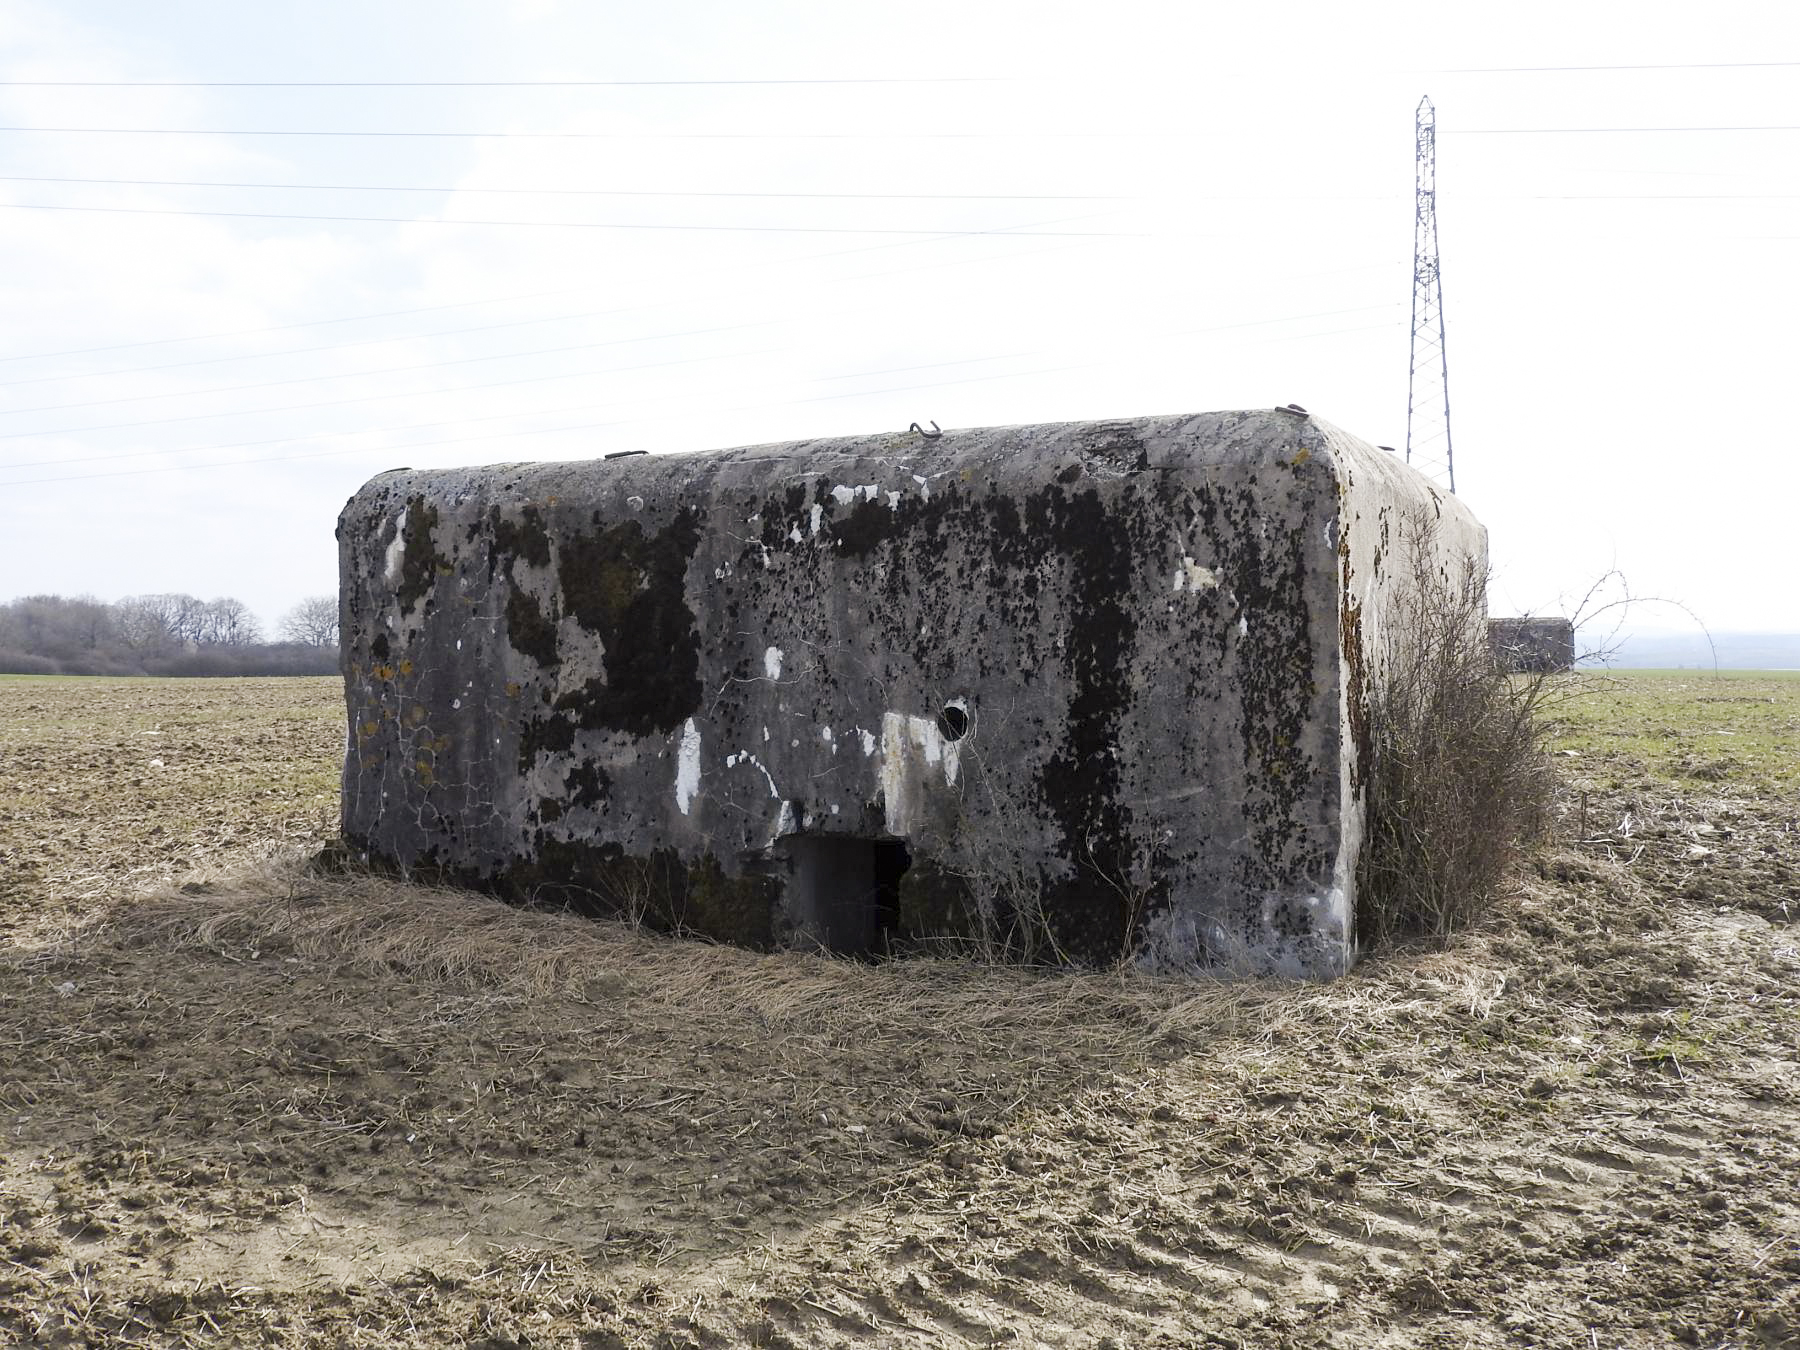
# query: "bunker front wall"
1090,674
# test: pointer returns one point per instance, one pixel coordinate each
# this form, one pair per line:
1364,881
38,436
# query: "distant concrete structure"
1533,646
1094,689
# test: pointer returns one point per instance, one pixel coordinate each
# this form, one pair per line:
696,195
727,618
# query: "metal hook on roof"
931,435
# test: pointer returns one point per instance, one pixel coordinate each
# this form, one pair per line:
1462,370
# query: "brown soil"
276,1108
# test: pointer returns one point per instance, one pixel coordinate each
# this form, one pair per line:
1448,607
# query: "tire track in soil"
1593,1186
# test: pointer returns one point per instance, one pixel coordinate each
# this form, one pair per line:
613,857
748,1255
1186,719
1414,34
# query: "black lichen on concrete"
525,539
1081,779
530,630
629,589
420,562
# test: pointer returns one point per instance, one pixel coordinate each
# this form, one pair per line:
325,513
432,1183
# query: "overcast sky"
811,219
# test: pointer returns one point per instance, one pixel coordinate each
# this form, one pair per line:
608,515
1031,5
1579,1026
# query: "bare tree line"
167,633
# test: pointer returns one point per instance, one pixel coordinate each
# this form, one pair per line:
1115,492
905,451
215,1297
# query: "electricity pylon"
1428,383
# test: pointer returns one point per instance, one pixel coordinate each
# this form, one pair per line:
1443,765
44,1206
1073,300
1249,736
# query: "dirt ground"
244,1104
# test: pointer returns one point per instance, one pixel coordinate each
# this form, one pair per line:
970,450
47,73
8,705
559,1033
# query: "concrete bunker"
1099,687
1533,645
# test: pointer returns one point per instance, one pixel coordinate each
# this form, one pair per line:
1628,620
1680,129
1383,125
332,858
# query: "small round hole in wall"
954,721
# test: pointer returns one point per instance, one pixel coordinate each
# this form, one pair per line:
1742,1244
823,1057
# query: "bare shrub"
13,662
1460,779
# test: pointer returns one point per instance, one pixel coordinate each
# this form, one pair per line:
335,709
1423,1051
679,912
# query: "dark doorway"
844,894
892,858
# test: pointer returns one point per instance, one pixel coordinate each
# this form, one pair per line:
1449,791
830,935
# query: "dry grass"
382,925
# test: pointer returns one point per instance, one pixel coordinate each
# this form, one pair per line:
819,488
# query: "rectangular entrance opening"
844,894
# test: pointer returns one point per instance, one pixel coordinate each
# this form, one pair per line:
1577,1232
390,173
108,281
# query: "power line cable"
601,192
498,300
280,327
482,328
198,393
1600,131
1017,232
479,328
1674,65
530,295
376,398
1620,196
329,347
898,196
392,370
376,342
622,135
588,426
534,379
894,370
462,421
484,84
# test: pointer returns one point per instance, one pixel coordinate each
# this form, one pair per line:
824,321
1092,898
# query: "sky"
694,225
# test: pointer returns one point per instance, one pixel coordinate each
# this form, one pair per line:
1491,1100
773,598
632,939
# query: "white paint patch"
1190,575
825,733
893,501
868,741
911,746
924,485
817,513
843,495
745,757
785,822
635,503
765,735
795,535
772,663
687,767
1243,626
773,790
834,808
870,491
396,551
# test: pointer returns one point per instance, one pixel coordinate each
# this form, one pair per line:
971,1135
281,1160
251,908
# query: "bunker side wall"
1396,526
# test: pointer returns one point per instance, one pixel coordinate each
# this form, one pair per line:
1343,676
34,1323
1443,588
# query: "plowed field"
245,1104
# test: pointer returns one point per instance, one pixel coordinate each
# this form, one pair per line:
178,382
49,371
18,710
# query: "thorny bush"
1461,780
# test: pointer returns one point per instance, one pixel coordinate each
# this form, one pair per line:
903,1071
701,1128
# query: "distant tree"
314,621
170,634
228,622
154,623
63,628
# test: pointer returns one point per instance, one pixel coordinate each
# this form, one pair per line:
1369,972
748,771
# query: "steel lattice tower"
1428,383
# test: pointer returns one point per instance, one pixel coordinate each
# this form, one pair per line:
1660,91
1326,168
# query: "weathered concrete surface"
1093,689
1533,645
